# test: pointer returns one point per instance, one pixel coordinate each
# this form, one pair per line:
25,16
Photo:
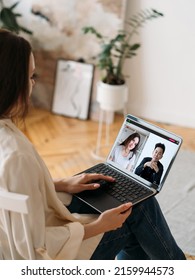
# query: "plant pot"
112,97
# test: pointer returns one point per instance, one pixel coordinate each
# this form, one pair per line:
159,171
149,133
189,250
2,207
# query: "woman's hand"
108,220
80,182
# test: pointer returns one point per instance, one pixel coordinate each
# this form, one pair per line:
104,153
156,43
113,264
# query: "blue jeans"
145,235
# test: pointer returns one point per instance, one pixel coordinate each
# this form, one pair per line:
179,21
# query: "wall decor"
73,86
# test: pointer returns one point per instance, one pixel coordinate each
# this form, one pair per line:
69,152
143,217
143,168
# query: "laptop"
133,181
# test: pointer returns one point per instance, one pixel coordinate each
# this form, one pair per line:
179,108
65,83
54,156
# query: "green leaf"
159,14
25,30
17,15
91,29
118,38
9,20
14,5
106,49
135,47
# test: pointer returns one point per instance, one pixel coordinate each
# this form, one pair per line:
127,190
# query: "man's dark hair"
160,145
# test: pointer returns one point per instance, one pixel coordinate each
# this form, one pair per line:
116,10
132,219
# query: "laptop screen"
144,151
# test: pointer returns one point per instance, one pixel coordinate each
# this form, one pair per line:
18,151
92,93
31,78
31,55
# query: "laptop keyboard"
123,189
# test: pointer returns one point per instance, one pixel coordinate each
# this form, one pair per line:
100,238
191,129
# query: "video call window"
129,158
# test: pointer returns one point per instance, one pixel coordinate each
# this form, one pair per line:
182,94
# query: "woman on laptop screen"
67,230
125,153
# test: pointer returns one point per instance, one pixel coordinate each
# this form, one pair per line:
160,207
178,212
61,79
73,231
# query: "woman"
56,232
125,153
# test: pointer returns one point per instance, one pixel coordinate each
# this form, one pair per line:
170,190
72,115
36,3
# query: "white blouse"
57,234
123,161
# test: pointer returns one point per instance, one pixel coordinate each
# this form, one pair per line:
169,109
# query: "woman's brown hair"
14,75
129,138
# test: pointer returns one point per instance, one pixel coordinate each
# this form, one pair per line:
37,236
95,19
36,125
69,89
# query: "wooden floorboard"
67,144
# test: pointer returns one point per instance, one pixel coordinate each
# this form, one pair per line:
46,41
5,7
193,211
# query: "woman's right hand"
108,220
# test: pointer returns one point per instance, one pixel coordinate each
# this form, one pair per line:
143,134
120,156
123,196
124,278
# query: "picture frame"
73,87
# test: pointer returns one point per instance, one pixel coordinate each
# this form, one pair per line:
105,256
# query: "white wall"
162,76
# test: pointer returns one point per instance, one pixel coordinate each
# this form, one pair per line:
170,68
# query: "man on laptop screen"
137,175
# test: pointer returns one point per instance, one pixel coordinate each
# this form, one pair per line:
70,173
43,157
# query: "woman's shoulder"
13,141
119,147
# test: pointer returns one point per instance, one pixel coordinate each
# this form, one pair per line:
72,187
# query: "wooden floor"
67,144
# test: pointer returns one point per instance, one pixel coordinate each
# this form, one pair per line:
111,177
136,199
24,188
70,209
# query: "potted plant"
111,59
8,19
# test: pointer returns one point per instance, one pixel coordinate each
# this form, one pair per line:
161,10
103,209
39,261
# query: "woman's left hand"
81,182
